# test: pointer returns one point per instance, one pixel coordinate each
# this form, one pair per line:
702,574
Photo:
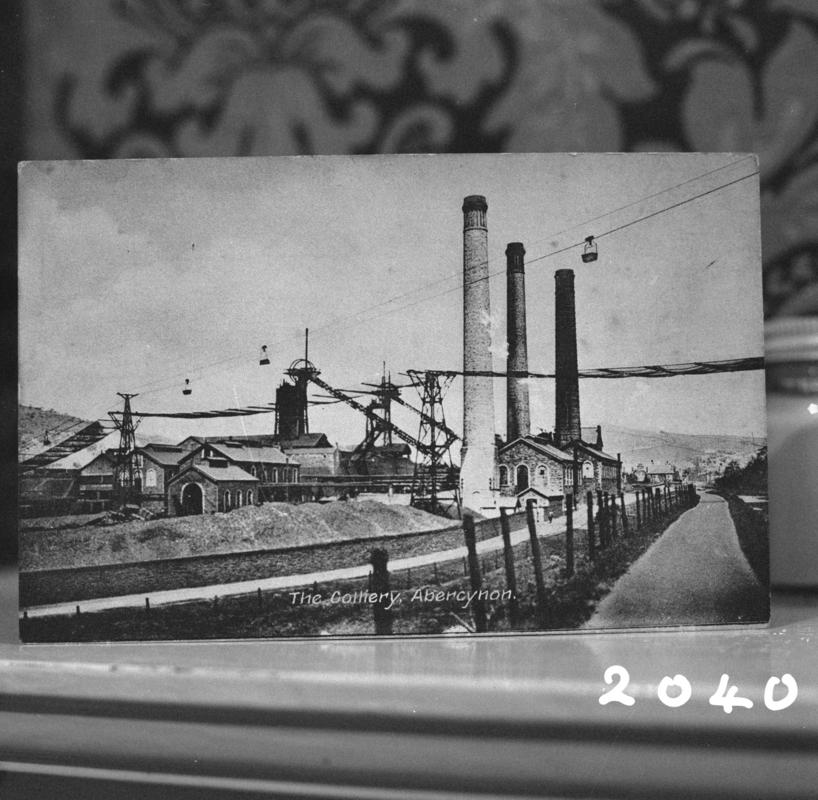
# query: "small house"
530,469
204,488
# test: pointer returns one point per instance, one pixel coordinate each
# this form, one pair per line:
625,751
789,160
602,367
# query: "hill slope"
33,422
680,449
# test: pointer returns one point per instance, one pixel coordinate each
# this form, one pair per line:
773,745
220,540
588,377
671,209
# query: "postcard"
418,395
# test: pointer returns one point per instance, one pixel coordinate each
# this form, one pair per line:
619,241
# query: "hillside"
33,422
680,449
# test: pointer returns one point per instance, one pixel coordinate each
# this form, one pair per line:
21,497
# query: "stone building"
158,463
596,469
267,463
207,487
533,469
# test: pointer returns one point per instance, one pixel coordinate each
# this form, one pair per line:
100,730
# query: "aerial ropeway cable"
226,412
649,371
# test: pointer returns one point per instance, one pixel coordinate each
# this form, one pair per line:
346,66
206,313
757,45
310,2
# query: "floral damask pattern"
199,77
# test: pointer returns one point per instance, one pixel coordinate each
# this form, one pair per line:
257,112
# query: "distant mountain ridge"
679,449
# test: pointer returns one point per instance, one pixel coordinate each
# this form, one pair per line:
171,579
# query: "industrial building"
203,488
200,475
157,464
546,467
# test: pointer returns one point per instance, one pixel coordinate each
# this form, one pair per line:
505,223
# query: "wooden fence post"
480,620
625,523
379,559
610,510
600,516
511,577
147,605
434,567
589,502
658,494
537,561
638,515
569,538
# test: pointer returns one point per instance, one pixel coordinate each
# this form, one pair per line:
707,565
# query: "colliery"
293,463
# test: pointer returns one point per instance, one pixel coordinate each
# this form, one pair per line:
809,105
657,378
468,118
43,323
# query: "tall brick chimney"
566,400
518,417
478,455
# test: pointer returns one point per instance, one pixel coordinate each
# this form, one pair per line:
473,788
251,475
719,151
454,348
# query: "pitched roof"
240,451
595,452
305,440
545,449
531,490
163,454
106,455
217,474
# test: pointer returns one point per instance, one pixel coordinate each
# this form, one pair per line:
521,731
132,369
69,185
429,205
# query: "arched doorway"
522,478
192,499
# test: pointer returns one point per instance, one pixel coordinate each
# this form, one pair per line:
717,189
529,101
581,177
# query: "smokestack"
478,453
518,418
566,401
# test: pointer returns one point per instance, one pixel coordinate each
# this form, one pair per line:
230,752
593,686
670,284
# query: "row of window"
522,479
235,499
274,474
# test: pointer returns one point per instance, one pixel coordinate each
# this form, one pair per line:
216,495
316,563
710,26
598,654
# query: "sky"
135,275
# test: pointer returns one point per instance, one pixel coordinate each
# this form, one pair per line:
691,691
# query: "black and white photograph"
413,395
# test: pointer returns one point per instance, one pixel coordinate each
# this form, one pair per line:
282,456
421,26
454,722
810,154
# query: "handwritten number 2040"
676,691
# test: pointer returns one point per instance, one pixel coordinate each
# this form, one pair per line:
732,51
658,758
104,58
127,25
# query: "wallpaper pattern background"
142,78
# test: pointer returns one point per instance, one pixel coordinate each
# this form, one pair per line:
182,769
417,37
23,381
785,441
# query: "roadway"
694,574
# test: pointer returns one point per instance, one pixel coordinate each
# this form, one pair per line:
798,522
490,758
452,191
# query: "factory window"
275,475
542,474
226,501
238,498
522,477
150,478
249,497
504,475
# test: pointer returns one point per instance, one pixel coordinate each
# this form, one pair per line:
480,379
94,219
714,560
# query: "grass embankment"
570,601
752,529
267,527
82,583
